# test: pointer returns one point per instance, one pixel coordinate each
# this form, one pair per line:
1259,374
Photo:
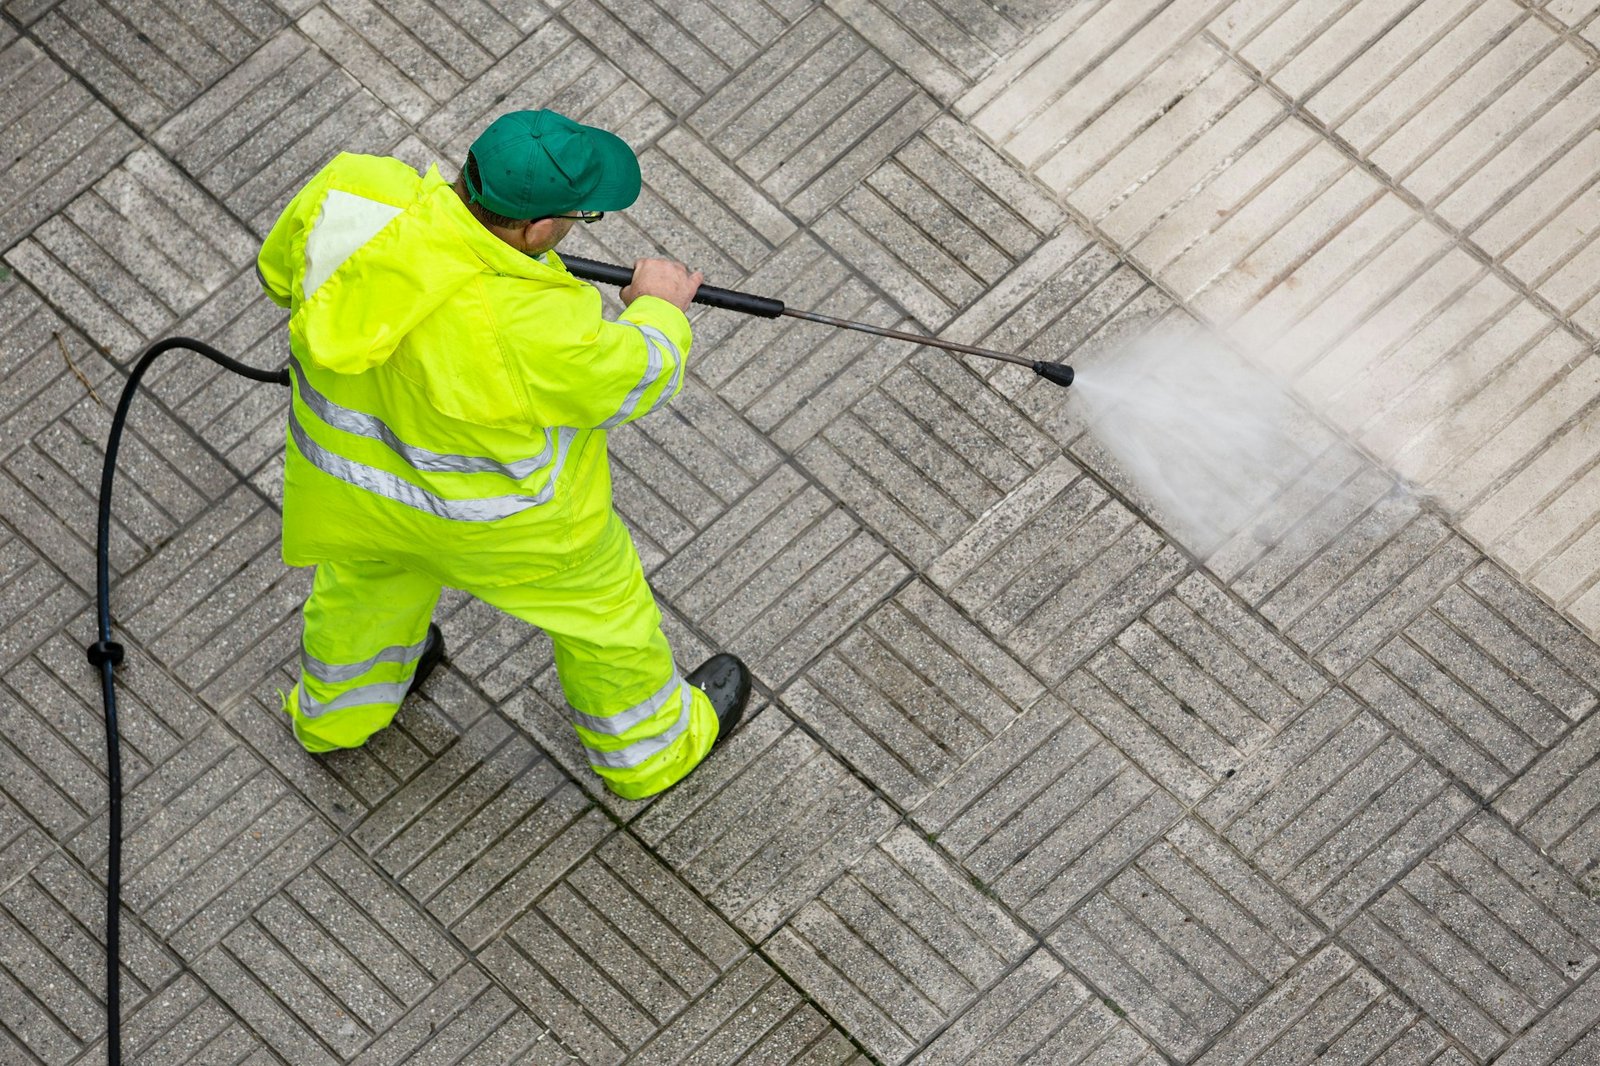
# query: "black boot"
726,680
432,656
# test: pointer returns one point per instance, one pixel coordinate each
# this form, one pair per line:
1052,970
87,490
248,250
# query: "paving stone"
577,80
1555,804
1332,1009
183,1023
1057,568
898,945
751,1014
482,830
1046,813
1190,706
256,136
1040,1013
1484,711
418,58
1335,806
466,1019
58,138
813,114
613,951
1186,938
780,576
52,968
911,694
789,379
148,61
338,952
930,231
675,475
22,844
242,420
1484,935
134,252
926,453
764,826
1567,1036
207,836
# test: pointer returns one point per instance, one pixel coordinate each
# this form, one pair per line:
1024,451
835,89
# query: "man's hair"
483,214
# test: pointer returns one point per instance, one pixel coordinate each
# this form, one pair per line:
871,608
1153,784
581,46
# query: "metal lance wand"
767,307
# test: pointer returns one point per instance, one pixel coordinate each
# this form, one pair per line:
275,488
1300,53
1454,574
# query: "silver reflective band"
373,428
654,339
386,692
617,724
392,487
640,750
338,673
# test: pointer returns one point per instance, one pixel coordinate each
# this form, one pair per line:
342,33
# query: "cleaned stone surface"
1027,777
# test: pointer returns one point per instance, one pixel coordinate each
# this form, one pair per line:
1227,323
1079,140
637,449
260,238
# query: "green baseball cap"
533,164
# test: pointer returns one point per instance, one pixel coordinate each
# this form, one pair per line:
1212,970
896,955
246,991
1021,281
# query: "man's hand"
666,279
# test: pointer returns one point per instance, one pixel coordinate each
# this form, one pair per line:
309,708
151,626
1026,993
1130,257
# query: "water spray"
767,307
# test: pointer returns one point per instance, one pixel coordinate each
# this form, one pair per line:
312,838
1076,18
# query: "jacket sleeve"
604,373
282,253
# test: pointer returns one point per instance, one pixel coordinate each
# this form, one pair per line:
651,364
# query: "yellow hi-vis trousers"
642,726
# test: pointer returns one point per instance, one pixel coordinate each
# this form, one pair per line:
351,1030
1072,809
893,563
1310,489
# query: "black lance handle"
710,295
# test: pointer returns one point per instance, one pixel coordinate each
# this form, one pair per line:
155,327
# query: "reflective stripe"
370,426
656,342
393,487
640,750
339,673
617,724
344,223
385,692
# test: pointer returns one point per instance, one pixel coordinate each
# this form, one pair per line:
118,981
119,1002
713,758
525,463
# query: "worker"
453,386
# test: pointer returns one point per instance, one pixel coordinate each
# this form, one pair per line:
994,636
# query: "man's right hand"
666,279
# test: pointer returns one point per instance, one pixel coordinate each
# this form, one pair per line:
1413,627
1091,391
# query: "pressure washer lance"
767,307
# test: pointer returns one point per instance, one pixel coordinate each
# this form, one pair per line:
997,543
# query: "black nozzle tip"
1060,373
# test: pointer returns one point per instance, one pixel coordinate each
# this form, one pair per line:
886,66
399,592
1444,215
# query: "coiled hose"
105,653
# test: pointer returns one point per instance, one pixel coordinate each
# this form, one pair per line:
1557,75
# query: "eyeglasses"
585,217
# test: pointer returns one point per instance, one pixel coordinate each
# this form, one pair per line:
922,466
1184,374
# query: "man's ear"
538,233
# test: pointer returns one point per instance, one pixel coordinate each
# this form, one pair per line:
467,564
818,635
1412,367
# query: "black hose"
106,653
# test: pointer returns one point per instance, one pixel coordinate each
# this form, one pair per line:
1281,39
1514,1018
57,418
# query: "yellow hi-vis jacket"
451,395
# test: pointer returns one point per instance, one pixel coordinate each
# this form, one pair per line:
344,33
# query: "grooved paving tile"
926,453
1040,1013
1186,938
1484,935
766,824
575,78
416,58
56,141
813,114
676,474
1334,807
333,958
262,131
52,960
135,252
1555,804
898,946
148,60
780,577
1056,568
1567,1036
613,951
911,694
22,844
926,226
185,1023
466,1018
751,1014
1046,813
482,830
1332,1009
207,837
944,46
1189,704
1484,710
791,379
